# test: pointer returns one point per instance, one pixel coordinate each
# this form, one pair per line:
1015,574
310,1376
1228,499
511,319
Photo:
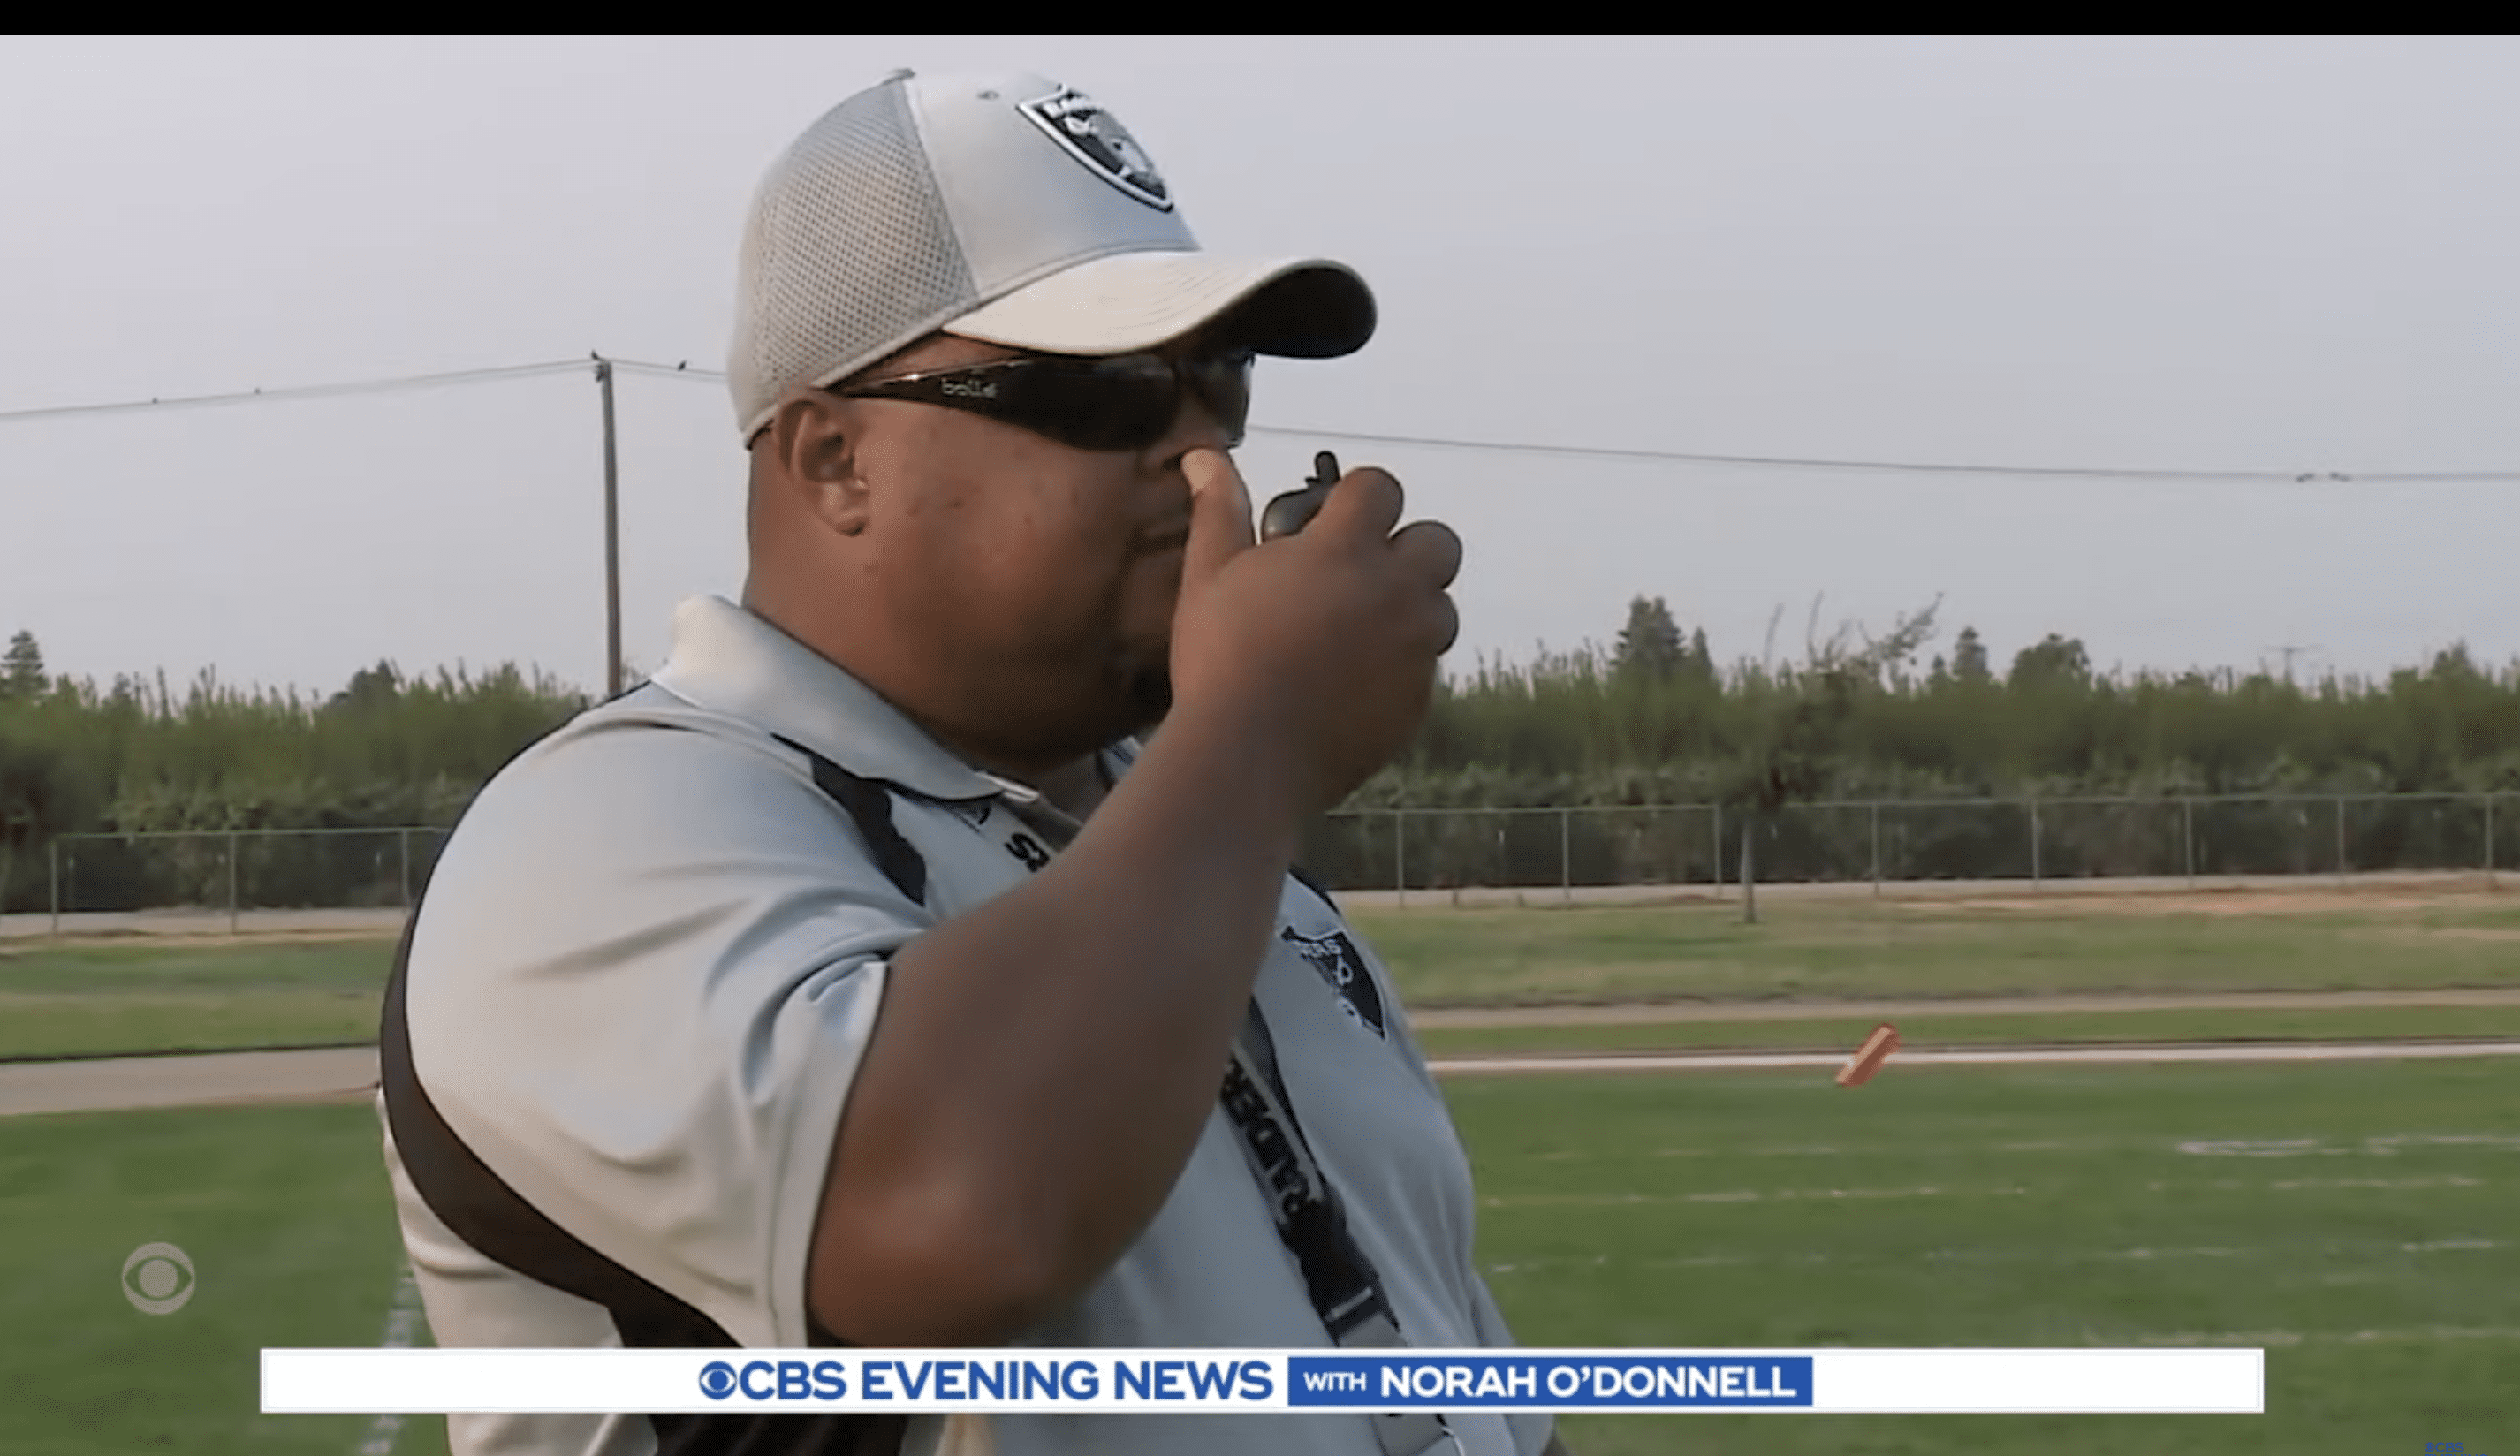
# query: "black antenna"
1295,509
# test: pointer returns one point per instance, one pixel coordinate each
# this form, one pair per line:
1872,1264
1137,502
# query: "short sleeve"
644,975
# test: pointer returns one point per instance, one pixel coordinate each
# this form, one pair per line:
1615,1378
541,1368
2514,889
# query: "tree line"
1653,718
136,757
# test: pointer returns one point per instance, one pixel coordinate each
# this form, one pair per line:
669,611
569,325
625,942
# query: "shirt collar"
727,659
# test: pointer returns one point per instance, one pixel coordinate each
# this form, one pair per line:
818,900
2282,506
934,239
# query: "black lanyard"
1339,1277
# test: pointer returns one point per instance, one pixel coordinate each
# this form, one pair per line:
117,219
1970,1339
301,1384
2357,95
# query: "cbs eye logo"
717,1380
158,1279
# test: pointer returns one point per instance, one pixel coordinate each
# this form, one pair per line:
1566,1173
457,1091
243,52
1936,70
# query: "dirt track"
212,1079
349,1074
340,1074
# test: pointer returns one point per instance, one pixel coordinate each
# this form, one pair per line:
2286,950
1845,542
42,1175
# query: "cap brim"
1300,308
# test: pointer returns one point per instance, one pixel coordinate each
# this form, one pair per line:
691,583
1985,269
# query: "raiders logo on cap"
1096,138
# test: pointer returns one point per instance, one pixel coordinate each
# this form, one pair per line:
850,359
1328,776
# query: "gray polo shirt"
643,976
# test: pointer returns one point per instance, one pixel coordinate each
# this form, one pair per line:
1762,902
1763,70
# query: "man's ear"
811,443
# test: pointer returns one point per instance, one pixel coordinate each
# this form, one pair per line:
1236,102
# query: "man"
860,980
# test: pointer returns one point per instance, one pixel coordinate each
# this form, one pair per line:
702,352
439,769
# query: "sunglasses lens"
1226,385
1124,403
1092,404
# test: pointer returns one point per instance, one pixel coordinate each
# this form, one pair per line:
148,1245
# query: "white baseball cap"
1005,208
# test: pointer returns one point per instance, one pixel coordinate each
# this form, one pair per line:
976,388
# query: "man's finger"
1431,548
1220,514
1363,506
1448,624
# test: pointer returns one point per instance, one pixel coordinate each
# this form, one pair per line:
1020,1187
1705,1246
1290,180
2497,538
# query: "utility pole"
2288,649
612,537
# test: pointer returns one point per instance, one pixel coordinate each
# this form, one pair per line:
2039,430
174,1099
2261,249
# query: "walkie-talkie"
1293,510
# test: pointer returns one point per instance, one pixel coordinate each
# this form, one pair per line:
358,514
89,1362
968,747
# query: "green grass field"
1860,947
287,1217
2354,1219
75,999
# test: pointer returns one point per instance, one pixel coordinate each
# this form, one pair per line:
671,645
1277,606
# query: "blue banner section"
1402,1382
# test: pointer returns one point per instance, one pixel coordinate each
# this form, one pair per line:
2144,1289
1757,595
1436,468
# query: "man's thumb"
1220,514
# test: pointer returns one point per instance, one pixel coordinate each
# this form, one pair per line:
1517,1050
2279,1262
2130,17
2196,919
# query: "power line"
1679,456
1918,468
683,371
304,391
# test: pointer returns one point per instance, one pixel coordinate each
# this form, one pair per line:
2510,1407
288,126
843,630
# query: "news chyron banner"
2011,1382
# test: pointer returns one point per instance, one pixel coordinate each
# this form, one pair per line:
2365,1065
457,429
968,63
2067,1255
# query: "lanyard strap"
1339,1277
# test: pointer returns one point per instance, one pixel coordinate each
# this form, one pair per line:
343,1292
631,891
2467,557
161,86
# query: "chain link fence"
1912,841
234,871
1565,849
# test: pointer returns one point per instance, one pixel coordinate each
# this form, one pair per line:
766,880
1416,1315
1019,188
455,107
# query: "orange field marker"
1868,1057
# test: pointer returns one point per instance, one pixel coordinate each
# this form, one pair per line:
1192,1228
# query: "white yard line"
350,1072
2374,1249
2280,1338
1989,1057
2294,1185
1740,1195
2059,1004
401,1326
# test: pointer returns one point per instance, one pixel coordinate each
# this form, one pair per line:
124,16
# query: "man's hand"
1323,645
1044,1063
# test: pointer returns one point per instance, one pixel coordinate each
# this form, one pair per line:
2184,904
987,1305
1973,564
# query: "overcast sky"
2229,254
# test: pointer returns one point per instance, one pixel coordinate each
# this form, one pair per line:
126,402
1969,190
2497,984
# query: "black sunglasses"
1126,402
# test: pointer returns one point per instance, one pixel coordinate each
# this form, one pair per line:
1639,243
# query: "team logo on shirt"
1342,966
1096,138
